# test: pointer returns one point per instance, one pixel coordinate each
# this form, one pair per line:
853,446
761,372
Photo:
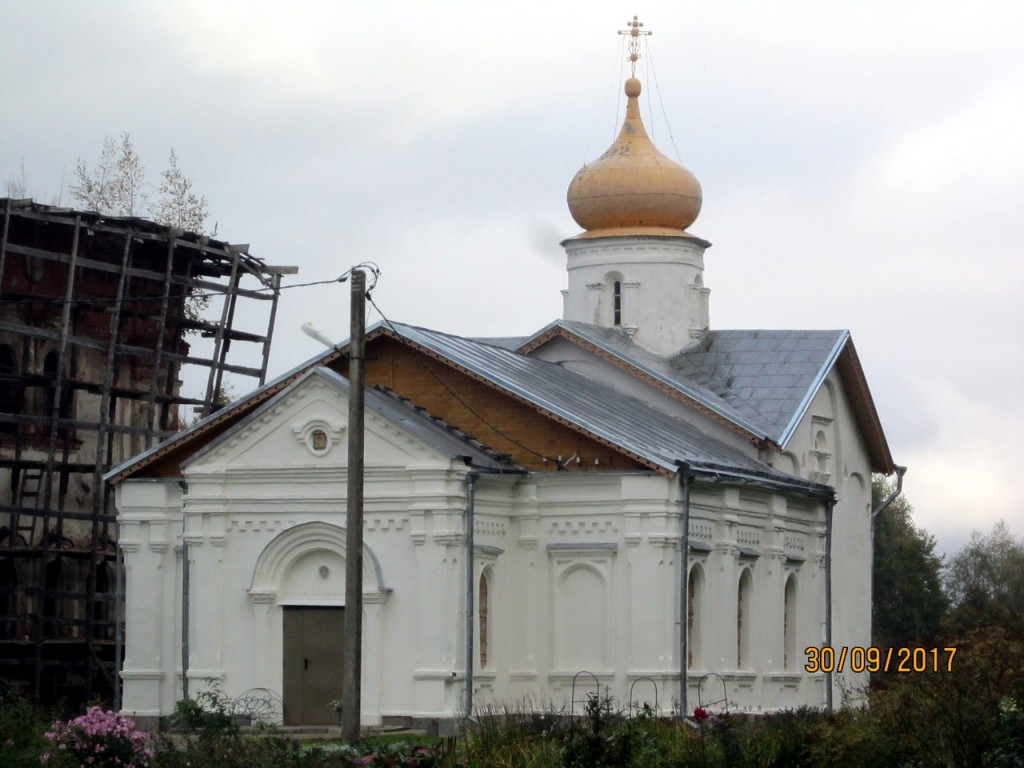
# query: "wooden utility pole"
352,648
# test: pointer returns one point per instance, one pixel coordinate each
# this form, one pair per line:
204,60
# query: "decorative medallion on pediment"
318,436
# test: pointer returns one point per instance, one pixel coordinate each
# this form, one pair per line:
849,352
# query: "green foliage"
943,719
927,720
600,741
514,735
400,754
985,581
1009,749
226,751
209,714
908,602
849,738
21,731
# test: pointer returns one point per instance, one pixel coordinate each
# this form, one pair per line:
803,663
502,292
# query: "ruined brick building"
100,324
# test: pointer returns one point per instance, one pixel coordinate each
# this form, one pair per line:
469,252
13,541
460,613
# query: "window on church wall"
484,619
743,620
821,448
694,595
617,302
789,649
820,464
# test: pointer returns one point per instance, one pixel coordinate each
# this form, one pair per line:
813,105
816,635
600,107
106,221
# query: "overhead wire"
426,366
102,302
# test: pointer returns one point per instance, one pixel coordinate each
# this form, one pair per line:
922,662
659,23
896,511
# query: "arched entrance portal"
300,575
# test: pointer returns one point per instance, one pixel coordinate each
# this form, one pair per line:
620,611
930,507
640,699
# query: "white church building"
672,510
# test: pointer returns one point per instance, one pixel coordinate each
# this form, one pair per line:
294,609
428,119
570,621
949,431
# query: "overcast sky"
862,166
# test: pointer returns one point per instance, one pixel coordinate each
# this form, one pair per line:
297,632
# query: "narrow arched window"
693,618
743,620
789,624
617,302
483,618
821,448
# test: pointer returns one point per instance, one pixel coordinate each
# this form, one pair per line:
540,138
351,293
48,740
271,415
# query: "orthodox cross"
634,33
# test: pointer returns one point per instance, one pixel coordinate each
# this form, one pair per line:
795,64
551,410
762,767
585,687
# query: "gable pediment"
306,427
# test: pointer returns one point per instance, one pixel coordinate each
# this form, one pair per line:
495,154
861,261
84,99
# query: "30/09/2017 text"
870,659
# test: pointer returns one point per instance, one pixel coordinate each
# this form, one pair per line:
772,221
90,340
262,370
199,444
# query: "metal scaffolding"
101,322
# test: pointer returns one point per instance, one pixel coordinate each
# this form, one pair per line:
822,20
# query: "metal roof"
632,425
635,426
775,372
689,381
760,381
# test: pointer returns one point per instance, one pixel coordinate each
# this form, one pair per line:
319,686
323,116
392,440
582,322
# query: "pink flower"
700,715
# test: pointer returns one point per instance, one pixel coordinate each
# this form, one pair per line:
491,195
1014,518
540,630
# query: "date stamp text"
870,659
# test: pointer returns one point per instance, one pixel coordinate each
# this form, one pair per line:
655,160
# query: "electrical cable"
423,363
343,277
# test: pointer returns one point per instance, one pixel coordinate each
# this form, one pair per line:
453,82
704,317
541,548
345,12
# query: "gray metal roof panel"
506,342
622,420
697,385
776,372
761,380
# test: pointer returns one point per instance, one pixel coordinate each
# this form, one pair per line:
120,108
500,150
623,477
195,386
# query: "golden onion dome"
633,188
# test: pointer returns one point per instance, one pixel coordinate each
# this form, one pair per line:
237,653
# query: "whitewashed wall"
583,567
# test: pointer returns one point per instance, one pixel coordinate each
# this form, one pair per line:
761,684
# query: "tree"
117,186
908,604
178,205
950,716
985,581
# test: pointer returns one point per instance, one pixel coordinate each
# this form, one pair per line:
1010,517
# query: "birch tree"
117,186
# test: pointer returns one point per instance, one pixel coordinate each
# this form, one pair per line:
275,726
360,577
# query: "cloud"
963,475
966,164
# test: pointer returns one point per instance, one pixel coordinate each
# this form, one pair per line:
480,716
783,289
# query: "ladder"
27,489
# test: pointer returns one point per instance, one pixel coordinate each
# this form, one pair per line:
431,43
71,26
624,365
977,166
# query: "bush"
952,719
1009,750
209,714
600,742
21,731
98,738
